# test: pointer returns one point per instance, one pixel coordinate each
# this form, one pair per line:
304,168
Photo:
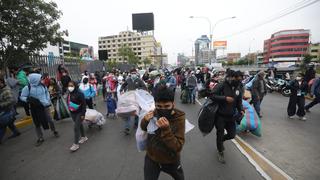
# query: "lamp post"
211,29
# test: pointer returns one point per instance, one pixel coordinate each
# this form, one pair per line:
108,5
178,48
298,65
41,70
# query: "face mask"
134,76
298,78
235,83
167,113
70,89
85,81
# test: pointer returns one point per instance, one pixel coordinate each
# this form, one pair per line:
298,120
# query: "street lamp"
211,28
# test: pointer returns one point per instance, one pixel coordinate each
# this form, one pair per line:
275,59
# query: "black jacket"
219,94
77,97
295,87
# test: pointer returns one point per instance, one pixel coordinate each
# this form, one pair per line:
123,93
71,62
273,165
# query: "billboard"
219,44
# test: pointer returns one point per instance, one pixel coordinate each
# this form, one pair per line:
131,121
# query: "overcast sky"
87,20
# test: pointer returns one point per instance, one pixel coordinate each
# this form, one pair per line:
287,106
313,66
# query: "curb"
24,122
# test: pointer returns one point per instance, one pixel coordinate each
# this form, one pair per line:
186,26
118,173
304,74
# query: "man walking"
165,142
259,90
229,97
132,83
315,90
191,84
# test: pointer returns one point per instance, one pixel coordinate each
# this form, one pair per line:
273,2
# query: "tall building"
144,46
203,54
286,47
314,51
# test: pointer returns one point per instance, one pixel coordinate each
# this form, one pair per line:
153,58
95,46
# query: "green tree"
126,53
305,61
146,61
26,26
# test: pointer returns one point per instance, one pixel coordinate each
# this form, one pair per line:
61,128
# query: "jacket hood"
34,79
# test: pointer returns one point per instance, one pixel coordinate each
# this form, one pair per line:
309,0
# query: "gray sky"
87,20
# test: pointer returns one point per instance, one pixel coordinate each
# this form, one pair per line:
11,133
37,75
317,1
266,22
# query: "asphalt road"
109,154
291,144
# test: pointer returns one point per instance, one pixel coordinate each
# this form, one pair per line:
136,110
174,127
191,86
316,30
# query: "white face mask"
298,78
70,89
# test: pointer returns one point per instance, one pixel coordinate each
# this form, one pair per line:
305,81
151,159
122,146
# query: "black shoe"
221,157
39,142
194,102
14,135
307,110
127,131
28,113
56,134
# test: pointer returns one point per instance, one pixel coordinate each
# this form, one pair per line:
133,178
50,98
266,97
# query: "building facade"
203,54
287,46
233,57
144,46
314,51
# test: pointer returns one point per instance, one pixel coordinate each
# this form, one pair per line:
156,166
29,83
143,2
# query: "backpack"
184,96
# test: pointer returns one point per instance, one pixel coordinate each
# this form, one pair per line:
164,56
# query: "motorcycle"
279,85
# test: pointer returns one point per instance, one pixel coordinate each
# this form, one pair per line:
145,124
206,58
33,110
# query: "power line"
285,12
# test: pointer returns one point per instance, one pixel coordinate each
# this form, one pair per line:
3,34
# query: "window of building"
113,40
314,50
113,45
129,39
119,45
139,39
103,41
134,49
99,47
108,41
124,40
104,46
99,42
139,49
139,44
139,53
134,44
133,39
114,50
109,46
119,40
129,44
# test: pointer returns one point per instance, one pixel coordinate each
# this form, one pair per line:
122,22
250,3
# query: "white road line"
253,162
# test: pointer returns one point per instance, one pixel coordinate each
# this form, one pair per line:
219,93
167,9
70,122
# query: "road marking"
265,167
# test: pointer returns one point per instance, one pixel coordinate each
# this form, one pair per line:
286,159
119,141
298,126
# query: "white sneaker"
74,147
303,118
290,117
83,140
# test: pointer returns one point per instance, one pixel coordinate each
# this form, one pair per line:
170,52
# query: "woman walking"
298,90
77,106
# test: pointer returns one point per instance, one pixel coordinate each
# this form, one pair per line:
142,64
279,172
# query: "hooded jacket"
165,145
22,78
87,89
38,90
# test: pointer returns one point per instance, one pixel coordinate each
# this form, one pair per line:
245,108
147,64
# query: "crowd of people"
38,93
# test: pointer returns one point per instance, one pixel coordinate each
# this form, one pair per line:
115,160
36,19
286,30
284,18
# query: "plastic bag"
127,105
206,117
146,103
250,121
91,115
61,110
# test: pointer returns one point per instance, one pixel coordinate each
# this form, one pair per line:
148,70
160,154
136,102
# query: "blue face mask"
134,76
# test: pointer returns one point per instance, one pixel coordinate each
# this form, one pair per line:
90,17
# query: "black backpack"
206,116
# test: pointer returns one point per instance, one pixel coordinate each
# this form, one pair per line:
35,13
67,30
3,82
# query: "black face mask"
85,81
167,113
235,83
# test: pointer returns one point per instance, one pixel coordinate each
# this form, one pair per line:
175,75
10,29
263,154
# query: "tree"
27,26
126,52
146,61
305,61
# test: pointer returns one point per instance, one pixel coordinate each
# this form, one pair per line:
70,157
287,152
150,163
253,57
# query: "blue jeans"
127,121
257,104
191,95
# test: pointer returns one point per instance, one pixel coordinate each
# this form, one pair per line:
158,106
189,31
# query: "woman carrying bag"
77,107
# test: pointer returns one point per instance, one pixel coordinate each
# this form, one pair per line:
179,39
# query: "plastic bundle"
250,122
127,105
